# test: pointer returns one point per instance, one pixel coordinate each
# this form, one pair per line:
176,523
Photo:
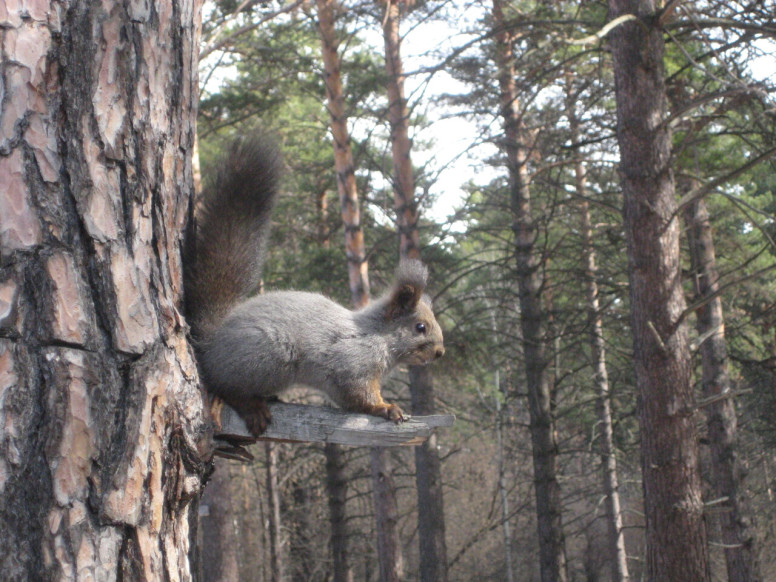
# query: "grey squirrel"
250,347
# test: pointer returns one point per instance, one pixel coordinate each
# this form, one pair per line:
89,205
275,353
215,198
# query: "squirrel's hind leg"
254,410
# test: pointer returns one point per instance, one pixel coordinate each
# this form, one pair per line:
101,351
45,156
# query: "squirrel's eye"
420,327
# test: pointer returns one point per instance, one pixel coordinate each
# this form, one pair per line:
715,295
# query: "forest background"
513,125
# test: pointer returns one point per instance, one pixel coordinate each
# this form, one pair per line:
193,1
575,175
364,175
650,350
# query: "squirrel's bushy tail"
225,249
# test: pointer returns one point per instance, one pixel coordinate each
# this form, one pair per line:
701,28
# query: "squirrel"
250,347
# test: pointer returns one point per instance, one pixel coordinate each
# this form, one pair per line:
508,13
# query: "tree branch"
605,30
219,38
701,191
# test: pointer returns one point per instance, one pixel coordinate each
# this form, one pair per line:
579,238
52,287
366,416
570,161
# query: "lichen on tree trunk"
102,433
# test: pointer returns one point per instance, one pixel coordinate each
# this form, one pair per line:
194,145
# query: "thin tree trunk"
737,537
322,205
263,509
387,515
343,155
221,541
337,488
502,473
502,481
247,505
428,472
675,528
277,559
428,478
104,440
302,559
552,552
401,147
619,557
358,267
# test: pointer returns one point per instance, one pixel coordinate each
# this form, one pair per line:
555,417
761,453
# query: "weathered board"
320,424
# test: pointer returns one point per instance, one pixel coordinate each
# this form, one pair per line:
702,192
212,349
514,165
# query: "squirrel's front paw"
394,413
382,409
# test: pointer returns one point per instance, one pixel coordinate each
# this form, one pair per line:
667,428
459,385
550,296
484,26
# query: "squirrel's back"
282,338
226,250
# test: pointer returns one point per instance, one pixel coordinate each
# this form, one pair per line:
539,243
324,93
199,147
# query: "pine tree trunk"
428,473
552,552
221,544
358,273
619,557
737,537
401,146
343,156
503,487
337,489
387,516
277,561
428,476
675,529
101,416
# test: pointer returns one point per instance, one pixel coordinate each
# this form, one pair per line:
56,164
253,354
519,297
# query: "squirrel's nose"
440,351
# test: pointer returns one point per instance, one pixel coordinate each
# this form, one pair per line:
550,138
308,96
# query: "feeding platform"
320,424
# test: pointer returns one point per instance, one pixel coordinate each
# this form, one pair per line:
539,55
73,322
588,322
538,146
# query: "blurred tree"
676,533
619,557
534,320
428,469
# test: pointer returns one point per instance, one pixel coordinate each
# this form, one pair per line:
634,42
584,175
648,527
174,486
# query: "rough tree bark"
428,473
619,557
102,432
675,529
552,552
737,537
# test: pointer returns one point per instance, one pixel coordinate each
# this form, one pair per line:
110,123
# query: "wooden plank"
320,424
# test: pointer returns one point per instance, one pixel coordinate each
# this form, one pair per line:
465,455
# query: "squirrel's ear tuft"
412,272
411,277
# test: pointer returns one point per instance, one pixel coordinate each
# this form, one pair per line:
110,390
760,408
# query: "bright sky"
450,156
452,136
